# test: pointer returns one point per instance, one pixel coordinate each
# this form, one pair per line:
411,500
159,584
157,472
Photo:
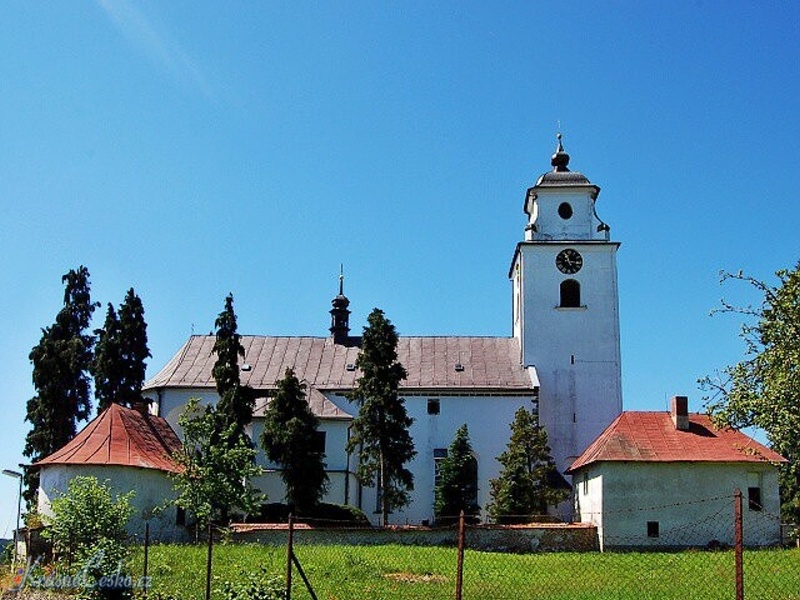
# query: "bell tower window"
565,210
570,294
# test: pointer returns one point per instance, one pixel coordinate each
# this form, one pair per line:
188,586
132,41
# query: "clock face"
569,261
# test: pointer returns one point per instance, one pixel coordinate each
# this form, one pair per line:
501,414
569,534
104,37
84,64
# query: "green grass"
396,572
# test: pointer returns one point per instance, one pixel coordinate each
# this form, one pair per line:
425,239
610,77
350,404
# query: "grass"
429,573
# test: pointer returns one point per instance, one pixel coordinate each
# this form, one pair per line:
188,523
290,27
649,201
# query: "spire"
560,159
340,315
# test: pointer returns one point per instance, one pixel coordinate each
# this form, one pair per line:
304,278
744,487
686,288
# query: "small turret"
340,315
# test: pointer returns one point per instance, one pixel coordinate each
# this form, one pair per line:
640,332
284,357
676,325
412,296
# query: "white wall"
152,489
692,502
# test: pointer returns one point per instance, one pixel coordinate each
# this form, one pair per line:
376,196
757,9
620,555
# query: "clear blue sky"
194,149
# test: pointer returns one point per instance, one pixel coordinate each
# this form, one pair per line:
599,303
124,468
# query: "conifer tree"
380,431
235,406
290,439
525,486
457,489
119,363
61,362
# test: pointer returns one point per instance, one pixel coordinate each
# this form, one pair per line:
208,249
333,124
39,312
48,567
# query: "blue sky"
193,149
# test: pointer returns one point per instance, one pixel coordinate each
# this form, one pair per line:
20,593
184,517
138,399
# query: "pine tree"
457,489
527,482
235,406
119,363
380,431
290,439
61,362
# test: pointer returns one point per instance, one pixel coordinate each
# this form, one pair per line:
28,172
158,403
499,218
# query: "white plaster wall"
152,490
488,419
549,224
692,502
588,498
576,351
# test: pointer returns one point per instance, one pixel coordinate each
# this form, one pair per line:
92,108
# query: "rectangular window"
180,516
754,498
318,442
652,529
585,483
439,454
433,406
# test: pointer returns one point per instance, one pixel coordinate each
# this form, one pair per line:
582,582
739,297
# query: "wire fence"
708,549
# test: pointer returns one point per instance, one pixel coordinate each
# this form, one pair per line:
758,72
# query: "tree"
89,527
215,479
290,439
380,431
763,389
119,363
61,362
457,489
527,484
236,401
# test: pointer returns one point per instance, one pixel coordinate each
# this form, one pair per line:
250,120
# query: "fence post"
460,571
146,550
738,543
289,554
208,560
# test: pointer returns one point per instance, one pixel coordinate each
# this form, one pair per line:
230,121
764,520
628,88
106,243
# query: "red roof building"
123,437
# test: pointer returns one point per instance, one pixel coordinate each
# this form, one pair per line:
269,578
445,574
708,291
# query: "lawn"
396,572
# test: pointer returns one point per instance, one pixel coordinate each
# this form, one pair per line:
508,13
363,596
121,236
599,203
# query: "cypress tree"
235,407
61,363
290,439
119,363
457,489
525,486
380,431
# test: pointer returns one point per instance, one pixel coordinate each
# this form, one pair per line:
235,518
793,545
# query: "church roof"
484,363
120,436
641,436
317,402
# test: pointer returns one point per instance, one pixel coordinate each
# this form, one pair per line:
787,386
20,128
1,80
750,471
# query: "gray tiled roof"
490,363
562,178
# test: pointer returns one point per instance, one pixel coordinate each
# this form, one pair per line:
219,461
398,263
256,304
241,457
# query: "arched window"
570,294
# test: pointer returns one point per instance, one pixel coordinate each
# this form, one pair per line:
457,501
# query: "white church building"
562,360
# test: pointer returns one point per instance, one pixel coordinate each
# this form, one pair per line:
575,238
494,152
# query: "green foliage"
458,481
215,478
289,439
763,389
236,401
526,485
380,431
119,363
89,530
249,585
61,362
321,515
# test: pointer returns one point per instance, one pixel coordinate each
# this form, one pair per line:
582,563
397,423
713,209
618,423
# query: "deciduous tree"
290,439
380,431
61,362
527,482
457,489
215,479
763,390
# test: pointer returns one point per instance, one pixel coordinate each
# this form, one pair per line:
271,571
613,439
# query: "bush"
254,586
323,514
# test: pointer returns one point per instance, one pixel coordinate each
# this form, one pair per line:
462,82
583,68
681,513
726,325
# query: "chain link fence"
328,560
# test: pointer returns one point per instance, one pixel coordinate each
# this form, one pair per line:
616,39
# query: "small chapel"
561,360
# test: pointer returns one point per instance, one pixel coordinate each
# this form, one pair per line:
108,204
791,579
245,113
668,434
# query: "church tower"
566,309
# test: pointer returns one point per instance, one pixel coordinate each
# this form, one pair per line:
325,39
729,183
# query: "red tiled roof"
641,436
120,436
490,363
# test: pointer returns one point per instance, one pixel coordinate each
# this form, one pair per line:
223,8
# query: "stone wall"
578,537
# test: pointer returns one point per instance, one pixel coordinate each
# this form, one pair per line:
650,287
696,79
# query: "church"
562,360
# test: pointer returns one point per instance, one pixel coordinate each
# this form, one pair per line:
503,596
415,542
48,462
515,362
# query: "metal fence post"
146,550
738,543
289,554
208,560
460,571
